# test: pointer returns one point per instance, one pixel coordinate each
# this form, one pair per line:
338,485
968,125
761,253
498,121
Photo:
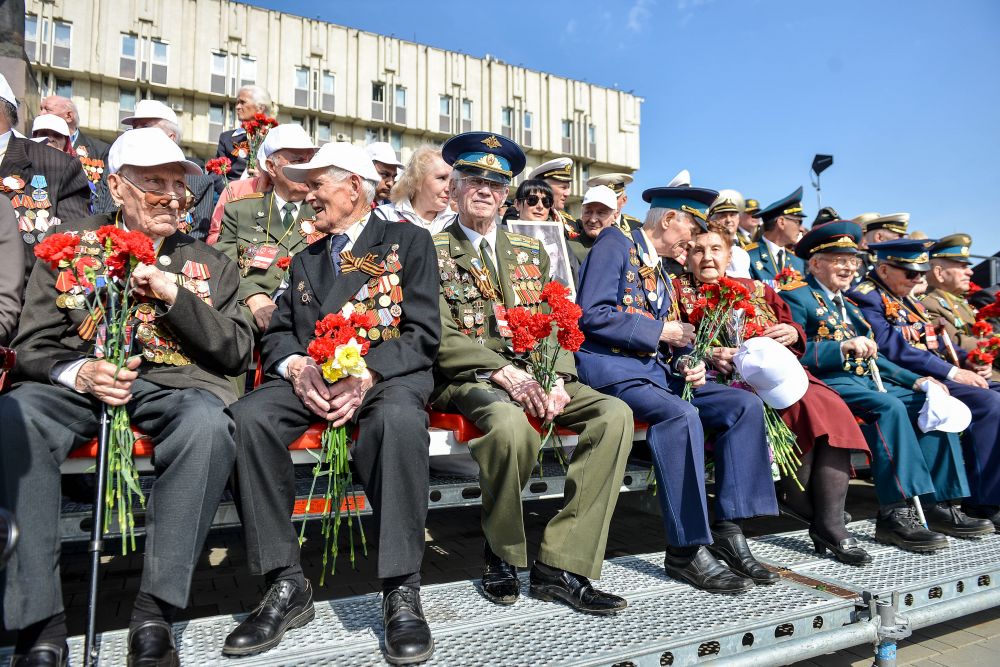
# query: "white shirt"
4,140
739,263
280,203
405,210
475,237
773,248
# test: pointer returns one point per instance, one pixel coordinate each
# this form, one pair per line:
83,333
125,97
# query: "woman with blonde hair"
420,195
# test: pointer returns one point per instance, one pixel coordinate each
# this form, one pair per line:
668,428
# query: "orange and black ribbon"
349,262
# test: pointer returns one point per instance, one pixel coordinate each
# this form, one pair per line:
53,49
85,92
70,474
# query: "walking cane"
96,546
9,534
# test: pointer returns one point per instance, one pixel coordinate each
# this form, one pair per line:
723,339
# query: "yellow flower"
349,358
332,371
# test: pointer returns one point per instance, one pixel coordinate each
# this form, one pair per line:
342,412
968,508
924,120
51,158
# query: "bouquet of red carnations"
256,129
712,311
221,166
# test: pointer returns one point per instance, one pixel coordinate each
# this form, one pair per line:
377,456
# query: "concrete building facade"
339,82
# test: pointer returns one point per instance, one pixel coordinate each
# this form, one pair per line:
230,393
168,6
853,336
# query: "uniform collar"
474,236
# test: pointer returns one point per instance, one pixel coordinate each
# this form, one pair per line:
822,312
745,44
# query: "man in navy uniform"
781,224
634,351
906,462
558,173
617,183
904,335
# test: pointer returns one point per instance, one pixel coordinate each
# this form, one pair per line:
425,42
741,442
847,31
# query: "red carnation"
220,165
554,290
540,325
284,262
321,349
57,248
981,328
980,356
570,339
973,287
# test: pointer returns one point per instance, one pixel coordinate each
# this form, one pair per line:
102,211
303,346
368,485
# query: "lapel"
346,285
504,251
276,230
15,160
462,251
640,242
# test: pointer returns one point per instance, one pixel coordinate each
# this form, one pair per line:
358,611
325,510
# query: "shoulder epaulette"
851,301
441,239
750,246
250,195
567,216
522,241
793,285
865,286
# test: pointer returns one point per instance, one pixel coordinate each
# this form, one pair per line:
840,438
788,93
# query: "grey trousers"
192,431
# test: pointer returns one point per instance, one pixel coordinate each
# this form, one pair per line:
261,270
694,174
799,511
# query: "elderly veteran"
949,280
485,271
599,212
781,225
52,131
840,349
234,144
747,230
174,390
631,320
261,228
727,209
617,183
558,173
905,336
389,269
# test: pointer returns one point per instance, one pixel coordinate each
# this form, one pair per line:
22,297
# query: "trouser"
390,456
676,439
981,441
576,537
192,432
905,461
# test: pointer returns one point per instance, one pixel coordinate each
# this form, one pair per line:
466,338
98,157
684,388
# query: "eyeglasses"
477,183
160,199
532,200
843,262
909,273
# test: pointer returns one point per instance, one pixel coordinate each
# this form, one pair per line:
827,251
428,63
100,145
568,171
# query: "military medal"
164,260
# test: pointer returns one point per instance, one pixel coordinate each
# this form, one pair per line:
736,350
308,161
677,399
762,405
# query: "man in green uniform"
484,272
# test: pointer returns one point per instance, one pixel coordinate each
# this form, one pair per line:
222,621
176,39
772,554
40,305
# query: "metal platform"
814,609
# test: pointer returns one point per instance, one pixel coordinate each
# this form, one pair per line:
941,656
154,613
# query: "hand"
309,385
783,333
722,359
964,376
346,396
983,370
695,374
919,384
558,400
523,388
860,347
262,308
98,378
150,282
677,334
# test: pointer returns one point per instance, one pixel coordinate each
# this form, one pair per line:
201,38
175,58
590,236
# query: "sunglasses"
909,273
532,200
158,199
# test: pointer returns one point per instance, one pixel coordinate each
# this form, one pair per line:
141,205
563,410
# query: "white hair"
170,127
367,187
260,97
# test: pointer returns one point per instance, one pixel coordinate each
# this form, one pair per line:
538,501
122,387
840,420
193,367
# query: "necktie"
781,259
484,252
337,244
839,300
288,217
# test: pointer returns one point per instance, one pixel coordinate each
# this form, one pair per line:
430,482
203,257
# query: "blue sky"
743,93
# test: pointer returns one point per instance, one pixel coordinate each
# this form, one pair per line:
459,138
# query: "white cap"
772,370
601,194
49,121
6,92
942,412
147,147
380,151
286,135
151,109
559,169
681,180
340,154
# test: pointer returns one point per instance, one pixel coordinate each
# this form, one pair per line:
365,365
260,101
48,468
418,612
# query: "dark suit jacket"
216,338
66,184
228,142
314,291
95,147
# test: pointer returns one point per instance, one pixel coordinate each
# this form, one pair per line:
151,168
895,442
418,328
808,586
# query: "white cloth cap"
147,147
6,92
381,151
286,135
560,164
681,180
340,154
49,121
772,370
601,194
153,109
942,412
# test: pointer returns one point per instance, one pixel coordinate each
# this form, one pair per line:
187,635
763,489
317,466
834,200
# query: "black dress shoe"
951,520
991,512
554,585
42,655
500,584
151,644
902,528
847,551
284,607
703,570
735,551
407,636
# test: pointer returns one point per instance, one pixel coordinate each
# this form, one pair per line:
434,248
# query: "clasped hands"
524,389
337,402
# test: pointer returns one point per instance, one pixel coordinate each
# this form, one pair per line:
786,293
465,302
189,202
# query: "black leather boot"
951,520
151,644
42,654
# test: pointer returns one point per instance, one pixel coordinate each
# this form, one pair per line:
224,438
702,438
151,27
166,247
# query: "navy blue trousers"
981,441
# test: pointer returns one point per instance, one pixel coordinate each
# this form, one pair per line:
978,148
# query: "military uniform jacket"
825,329
398,281
899,327
473,321
195,343
956,315
621,322
764,267
253,221
45,186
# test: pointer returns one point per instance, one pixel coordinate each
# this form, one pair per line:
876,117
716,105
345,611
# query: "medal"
164,260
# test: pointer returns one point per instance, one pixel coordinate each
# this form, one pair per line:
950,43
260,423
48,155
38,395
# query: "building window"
324,133
592,141
327,98
373,134
378,101
228,69
61,38
126,103
301,87
584,175
219,73
129,57
507,122
31,36
396,141
42,37
529,122
400,105
248,71
567,137
444,114
216,121
466,115
63,88
158,60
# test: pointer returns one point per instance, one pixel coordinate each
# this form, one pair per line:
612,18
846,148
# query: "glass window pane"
302,78
128,46
159,52
61,36
219,64
567,129
378,92
400,97
445,105
527,120
31,27
396,141
248,70
126,100
328,83
466,109
215,114
323,132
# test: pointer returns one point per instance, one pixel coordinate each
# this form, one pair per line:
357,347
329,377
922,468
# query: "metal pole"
96,546
885,651
920,510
